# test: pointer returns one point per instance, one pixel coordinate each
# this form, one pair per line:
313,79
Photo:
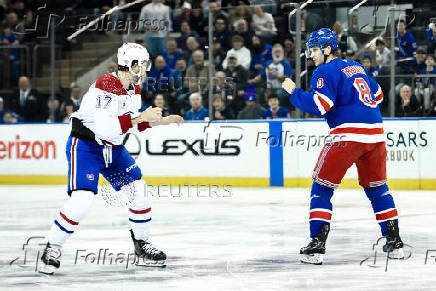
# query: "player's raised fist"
151,114
288,85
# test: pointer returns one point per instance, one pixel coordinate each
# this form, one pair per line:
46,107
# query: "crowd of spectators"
251,57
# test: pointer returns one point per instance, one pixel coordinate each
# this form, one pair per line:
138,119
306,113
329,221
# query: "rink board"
237,153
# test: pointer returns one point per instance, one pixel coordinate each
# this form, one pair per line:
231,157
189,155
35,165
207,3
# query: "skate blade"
150,263
47,269
396,254
315,259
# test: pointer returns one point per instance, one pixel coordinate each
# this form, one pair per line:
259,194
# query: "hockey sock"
139,210
67,220
383,205
320,207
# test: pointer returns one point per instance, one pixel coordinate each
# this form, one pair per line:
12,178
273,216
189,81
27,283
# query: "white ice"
249,241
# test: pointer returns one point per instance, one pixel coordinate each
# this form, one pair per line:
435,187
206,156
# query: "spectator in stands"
158,77
220,111
71,104
221,32
223,86
382,54
366,62
426,86
408,105
186,32
239,77
240,51
252,110
53,105
269,6
183,99
191,46
197,111
171,54
431,37
27,102
346,43
289,50
407,43
198,22
275,110
418,62
260,54
159,101
218,54
240,12
274,73
177,78
244,30
264,25
10,39
217,12
155,19
198,71
7,116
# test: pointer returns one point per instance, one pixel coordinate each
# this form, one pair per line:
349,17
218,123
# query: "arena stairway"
78,61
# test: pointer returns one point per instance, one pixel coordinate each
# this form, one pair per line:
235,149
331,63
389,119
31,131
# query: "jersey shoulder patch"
111,84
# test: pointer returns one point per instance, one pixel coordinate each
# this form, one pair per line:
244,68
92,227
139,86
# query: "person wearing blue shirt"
431,38
260,53
158,77
406,42
275,72
197,111
177,76
366,62
171,54
186,32
275,110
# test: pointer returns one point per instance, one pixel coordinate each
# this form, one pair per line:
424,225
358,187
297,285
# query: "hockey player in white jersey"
109,110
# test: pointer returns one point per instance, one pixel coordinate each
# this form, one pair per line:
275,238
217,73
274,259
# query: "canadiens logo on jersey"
90,177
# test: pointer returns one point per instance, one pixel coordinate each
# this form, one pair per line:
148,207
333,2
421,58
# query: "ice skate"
50,260
314,252
394,244
146,254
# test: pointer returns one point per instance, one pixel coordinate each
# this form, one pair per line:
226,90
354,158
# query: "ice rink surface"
249,241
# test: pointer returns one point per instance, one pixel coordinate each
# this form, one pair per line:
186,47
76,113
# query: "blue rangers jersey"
348,98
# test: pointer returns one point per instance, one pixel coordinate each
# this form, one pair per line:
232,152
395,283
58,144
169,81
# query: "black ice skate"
315,250
50,260
146,254
394,245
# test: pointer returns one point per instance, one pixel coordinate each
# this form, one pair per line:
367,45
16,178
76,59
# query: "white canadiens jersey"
107,107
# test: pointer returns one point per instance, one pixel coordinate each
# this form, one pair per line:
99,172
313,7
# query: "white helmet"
131,53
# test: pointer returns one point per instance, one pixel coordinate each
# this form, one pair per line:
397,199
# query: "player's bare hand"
151,114
175,119
289,85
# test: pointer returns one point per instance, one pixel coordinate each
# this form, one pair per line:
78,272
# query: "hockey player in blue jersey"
348,98
109,110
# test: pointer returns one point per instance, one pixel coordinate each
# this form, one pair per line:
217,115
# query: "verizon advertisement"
33,149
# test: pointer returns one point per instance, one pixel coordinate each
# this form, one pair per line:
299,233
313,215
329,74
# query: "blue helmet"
321,38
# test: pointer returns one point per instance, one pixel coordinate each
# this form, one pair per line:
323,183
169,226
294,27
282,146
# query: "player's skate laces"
50,260
147,254
314,252
394,244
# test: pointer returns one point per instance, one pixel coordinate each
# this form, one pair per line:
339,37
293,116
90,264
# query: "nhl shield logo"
90,177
